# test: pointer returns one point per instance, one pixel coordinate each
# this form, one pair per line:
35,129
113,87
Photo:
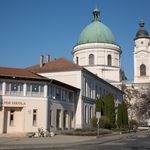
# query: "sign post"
98,116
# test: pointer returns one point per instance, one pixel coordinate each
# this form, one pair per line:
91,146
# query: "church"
96,60
98,52
59,95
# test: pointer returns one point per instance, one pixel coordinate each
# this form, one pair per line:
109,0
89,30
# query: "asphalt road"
140,142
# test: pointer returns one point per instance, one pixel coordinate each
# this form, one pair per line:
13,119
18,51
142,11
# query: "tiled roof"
55,65
25,74
17,72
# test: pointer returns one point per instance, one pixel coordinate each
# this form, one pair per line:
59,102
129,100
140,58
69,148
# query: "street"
138,142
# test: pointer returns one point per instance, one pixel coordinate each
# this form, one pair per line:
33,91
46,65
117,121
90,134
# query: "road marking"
113,144
130,139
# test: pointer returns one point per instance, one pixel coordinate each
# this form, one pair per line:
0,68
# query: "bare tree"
137,99
143,103
130,93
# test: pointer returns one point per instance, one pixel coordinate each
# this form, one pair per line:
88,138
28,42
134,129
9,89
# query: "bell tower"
142,55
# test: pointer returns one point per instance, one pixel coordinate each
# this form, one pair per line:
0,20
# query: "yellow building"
29,101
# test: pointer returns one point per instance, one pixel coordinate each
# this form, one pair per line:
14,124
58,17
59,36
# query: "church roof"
55,65
96,32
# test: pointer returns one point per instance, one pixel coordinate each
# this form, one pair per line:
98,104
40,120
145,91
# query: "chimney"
41,60
54,59
47,58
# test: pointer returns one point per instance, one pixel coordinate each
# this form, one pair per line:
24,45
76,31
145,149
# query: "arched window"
91,59
77,60
142,70
109,60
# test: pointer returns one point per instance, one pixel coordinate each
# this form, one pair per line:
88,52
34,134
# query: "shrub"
85,130
124,126
118,129
104,122
97,106
119,116
101,132
124,113
110,108
132,123
93,122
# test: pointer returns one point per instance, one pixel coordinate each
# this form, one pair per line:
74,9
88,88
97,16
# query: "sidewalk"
59,140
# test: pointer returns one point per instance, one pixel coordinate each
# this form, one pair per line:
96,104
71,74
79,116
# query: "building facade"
29,102
90,85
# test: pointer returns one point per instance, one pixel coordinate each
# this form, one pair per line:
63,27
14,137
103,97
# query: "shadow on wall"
62,110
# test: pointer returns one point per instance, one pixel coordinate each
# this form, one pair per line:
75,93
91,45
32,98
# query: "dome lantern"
142,33
96,14
141,24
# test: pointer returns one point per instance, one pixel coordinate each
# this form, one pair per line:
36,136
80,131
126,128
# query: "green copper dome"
96,32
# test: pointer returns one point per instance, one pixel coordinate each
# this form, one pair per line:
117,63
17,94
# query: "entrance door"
13,118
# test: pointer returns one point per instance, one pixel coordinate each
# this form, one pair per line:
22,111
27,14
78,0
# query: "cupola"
142,33
96,32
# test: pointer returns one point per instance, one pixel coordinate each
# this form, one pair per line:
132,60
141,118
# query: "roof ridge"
58,64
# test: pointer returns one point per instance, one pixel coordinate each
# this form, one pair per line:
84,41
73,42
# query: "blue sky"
30,28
